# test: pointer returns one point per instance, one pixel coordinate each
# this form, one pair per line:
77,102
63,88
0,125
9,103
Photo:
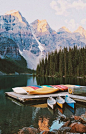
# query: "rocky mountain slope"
8,48
34,40
15,27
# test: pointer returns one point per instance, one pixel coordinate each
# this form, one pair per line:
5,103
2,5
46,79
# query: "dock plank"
28,97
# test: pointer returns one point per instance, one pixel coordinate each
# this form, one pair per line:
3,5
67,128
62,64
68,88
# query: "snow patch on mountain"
33,41
30,58
40,45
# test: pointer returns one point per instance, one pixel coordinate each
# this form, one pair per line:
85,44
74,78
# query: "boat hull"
60,104
60,101
51,105
71,104
69,101
51,102
19,90
44,90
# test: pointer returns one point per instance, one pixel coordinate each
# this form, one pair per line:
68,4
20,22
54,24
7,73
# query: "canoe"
25,90
51,102
60,101
60,87
54,86
19,90
46,86
44,90
30,88
69,101
71,85
38,86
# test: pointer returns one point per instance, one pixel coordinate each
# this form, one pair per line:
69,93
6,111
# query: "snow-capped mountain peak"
16,14
64,29
81,30
40,45
33,41
10,12
41,25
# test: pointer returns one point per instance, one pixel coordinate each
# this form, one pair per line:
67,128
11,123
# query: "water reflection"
12,81
15,115
56,125
57,81
52,111
15,81
43,124
60,110
44,105
31,80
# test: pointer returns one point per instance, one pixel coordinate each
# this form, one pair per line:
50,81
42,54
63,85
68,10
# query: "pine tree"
65,61
46,65
70,69
56,61
38,70
42,68
52,66
72,63
60,63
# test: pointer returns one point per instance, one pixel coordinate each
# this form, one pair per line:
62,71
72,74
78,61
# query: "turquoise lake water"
15,115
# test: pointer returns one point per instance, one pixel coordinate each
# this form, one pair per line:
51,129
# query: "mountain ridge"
36,39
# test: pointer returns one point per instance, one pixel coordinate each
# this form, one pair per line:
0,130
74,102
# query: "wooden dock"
28,97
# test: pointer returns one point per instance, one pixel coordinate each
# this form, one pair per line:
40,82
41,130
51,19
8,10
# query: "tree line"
65,62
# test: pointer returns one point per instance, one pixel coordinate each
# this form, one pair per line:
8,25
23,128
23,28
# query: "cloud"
61,6
78,4
71,24
83,21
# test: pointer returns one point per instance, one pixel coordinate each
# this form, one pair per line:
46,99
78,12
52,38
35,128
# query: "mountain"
45,35
15,27
33,41
81,30
10,59
63,30
69,39
8,48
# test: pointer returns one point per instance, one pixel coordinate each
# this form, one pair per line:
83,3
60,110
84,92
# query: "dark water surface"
15,115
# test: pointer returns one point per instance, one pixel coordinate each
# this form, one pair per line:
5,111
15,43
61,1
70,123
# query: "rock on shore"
75,124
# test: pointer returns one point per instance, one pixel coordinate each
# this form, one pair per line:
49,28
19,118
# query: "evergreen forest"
9,65
65,62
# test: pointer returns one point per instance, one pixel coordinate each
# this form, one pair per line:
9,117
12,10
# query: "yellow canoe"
44,90
27,89
69,85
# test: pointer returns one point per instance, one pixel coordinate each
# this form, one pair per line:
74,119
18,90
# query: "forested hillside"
9,66
66,62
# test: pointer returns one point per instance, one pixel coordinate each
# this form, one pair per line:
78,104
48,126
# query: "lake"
15,115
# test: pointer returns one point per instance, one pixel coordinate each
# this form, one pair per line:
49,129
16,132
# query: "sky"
58,13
